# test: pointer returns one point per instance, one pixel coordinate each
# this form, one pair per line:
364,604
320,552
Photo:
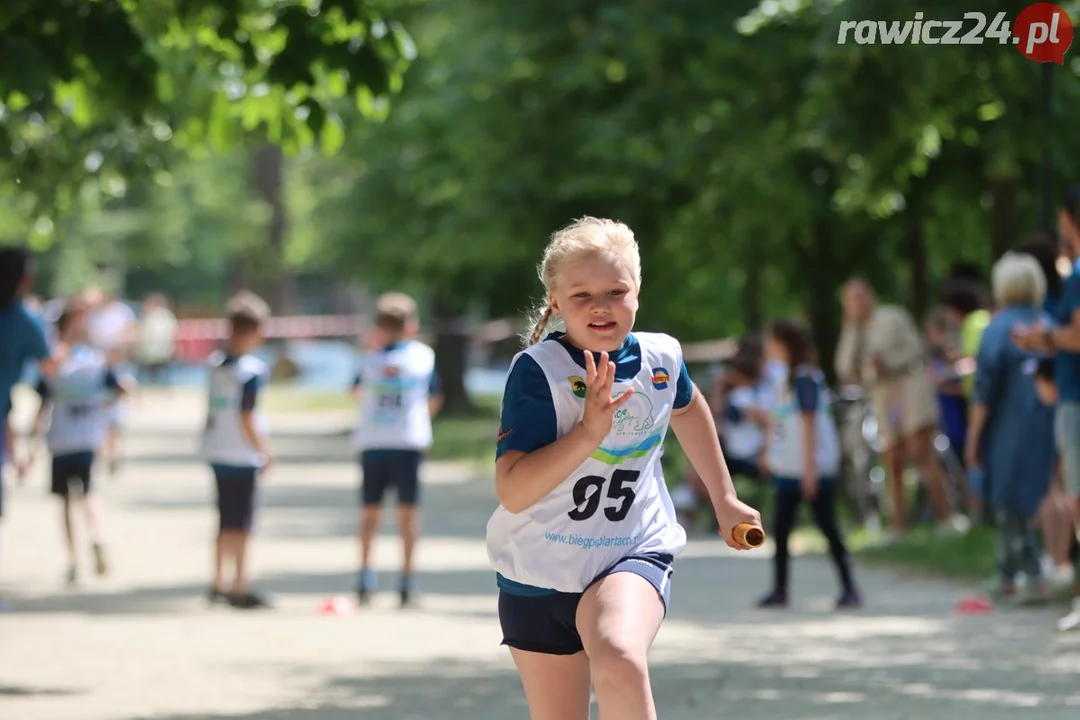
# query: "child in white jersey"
585,535
802,458
235,444
75,404
399,393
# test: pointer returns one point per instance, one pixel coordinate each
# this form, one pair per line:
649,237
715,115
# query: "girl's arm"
694,427
807,396
809,478
523,478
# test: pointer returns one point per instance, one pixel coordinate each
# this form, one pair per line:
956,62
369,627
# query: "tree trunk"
451,353
1002,216
276,283
824,277
753,311
915,243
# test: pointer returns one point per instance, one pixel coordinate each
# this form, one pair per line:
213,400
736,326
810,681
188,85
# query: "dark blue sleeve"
806,393
36,347
111,381
1070,299
528,419
732,414
42,389
684,388
250,394
435,385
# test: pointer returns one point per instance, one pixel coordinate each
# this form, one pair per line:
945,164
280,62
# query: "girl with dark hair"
802,456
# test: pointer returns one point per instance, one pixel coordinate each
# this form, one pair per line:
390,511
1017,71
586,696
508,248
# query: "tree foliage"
89,86
759,161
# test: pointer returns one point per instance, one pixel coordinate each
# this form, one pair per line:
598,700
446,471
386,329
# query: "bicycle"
864,448
862,474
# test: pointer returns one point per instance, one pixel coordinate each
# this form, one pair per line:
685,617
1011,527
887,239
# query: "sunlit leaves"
73,73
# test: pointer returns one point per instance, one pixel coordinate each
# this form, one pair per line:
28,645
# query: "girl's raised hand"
599,406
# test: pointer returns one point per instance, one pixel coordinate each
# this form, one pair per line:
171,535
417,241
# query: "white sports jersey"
743,439
394,391
614,504
223,441
79,395
787,434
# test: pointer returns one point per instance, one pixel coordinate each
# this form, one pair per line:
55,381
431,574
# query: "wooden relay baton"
749,535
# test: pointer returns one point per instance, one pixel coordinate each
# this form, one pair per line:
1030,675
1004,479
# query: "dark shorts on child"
397,469
545,621
71,469
746,467
235,496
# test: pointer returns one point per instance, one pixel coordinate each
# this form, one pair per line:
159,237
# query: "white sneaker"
1072,620
955,525
1062,576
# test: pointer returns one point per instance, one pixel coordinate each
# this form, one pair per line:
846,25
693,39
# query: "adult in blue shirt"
1011,436
21,340
1063,339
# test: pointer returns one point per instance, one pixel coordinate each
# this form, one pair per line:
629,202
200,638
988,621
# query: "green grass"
968,557
286,399
468,438
455,438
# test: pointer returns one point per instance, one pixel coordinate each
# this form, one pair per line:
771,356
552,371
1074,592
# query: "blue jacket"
1017,446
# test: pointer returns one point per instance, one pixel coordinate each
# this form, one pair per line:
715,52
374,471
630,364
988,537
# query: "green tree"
94,86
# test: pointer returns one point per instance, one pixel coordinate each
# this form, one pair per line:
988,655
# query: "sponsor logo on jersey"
577,384
660,378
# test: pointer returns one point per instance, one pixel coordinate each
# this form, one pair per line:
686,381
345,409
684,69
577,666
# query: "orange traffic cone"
337,605
974,605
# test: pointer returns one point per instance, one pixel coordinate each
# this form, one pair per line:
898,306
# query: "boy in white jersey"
235,444
75,406
585,535
399,393
802,456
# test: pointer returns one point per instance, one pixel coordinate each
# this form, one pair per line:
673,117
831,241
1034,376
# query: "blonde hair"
246,312
1018,280
394,311
584,236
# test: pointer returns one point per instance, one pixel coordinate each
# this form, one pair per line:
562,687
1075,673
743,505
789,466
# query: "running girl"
585,536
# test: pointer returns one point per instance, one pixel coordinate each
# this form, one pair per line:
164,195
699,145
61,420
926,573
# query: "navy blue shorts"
397,469
745,467
235,497
548,623
67,469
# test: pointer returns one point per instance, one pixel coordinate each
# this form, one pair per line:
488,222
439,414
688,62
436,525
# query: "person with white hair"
1010,431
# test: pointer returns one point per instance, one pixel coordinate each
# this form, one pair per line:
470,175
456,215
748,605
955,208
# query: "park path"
142,644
